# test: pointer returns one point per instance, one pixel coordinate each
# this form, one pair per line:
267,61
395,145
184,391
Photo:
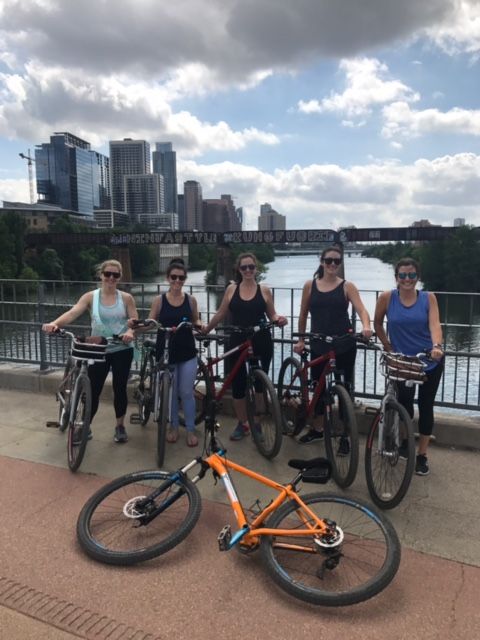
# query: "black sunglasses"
336,261
173,276
250,267
412,275
111,274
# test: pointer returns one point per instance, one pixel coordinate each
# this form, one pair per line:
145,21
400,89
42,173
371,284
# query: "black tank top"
329,315
182,343
247,313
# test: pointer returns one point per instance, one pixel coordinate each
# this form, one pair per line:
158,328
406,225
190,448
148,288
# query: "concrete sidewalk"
47,584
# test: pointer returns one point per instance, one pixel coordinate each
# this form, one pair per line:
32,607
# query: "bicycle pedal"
52,424
135,418
224,538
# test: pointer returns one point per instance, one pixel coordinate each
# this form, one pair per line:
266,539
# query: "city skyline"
360,112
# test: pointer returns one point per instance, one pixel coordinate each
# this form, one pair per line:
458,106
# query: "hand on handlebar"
281,321
50,327
299,347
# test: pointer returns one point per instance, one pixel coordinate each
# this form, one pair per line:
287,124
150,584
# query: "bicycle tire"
79,427
368,557
292,400
64,410
143,392
163,417
267,432
341,436
388,475
107,534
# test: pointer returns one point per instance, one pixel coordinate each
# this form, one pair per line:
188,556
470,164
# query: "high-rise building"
193,205
71,175
181,212
144,197
127,158
270,220
459,222
165,163
219,214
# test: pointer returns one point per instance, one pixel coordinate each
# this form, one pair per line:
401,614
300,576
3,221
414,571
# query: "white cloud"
401,120
367,86
459,31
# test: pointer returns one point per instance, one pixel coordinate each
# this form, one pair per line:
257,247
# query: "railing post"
41,320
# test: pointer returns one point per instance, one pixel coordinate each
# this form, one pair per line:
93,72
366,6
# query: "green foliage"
47,265
12,231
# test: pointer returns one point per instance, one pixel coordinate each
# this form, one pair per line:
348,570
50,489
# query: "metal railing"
26,305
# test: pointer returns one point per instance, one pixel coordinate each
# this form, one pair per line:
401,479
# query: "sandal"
192,440
172,435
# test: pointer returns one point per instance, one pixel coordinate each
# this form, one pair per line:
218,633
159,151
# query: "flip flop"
172,435
192,440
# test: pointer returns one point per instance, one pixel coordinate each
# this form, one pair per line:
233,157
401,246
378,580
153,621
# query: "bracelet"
437,346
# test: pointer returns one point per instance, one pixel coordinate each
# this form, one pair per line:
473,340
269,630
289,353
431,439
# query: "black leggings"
426,398
345,363
263,349
119,362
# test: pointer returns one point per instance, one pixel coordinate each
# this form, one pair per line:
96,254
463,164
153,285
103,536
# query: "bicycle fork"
388,432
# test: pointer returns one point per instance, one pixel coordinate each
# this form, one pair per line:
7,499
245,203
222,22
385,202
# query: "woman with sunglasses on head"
110,310
413,326
247,302
170,309
327,298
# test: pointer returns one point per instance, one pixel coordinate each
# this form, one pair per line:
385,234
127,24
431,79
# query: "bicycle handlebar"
230,328
150,323
329,339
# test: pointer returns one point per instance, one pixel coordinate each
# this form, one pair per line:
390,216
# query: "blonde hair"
100,268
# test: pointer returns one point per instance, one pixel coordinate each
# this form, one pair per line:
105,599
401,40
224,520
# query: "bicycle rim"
79,427
388,474
350,571
65,392
110,529
291,397
264,415
163,417
341,437
144,391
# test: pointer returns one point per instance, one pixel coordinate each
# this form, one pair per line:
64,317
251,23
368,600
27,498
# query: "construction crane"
30,162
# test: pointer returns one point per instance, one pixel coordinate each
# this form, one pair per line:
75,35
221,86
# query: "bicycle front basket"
399,367
89,348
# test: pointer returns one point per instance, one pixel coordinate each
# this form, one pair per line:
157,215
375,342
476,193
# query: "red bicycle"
298,398
263,409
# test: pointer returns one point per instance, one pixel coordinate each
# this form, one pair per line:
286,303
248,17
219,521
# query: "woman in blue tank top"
327,298
413,326
170,309
110,310
247,302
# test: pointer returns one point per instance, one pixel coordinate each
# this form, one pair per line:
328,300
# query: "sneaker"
120,434
257,432
421,466
403,450
343,446
312,435
240,431
77,436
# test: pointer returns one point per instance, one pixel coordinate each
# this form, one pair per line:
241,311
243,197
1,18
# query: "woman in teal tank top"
110,310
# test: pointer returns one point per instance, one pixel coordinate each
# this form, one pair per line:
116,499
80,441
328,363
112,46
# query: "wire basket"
91,348
399,367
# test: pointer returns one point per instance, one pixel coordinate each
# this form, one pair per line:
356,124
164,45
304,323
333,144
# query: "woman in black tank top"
247,303
327,298
170,309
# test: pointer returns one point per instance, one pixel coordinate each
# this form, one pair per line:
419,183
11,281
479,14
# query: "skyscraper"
270,220
70,174
127,158
193,205
144,198
165,163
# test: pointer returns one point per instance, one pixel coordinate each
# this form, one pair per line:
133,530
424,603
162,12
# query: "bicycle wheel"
290,396
341,436
79,426
163,417
64,408
389,473
264,415
111,526
143,392
332,572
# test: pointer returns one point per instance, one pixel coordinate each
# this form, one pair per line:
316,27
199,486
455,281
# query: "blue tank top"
109,320
408,327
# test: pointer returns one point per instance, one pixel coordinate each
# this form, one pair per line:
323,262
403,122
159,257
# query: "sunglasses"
411,276
111,274
174,277
250,267
335,261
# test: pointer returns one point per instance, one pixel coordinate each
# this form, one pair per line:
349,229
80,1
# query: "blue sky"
360,112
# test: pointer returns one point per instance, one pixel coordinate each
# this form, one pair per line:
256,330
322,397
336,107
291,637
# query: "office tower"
181,212
127,158
70,174
165,163
102,199
193,205
270,220
144,198
220,214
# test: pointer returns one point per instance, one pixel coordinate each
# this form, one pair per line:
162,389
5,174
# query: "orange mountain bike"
321,548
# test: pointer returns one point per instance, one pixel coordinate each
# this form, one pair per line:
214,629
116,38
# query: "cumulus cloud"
459,31
365,88
401,120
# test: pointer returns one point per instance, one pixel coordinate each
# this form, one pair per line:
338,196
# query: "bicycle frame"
246,354
321,383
